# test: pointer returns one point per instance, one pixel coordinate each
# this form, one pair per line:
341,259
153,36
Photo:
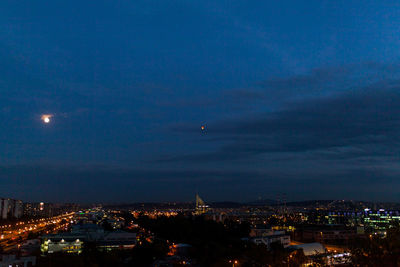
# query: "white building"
280,238
267,236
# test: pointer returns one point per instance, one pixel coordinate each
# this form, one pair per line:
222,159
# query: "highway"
12,235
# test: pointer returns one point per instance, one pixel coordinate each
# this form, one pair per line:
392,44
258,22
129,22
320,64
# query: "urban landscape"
204,133
261,233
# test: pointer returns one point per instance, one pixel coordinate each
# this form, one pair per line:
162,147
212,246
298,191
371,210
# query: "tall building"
41,209
10,208
201,206
4,207
37,209
18,209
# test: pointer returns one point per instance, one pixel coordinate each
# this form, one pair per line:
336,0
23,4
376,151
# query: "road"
12,235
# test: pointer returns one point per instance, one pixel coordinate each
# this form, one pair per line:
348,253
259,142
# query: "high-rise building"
10,208
41,209
18,209
201,206
4,207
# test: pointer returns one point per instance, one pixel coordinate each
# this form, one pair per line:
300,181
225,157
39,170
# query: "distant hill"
308,203
226,204
262,202
338,204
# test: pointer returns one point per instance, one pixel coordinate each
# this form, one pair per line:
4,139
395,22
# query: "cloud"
361,121
329,80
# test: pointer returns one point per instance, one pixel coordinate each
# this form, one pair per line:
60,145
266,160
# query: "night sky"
297,97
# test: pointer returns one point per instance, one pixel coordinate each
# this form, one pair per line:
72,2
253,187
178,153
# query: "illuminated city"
313,233
223,133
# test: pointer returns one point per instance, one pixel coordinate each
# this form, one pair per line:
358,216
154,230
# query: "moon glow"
46,118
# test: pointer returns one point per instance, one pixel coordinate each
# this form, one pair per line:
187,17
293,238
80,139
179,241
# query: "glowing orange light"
46,118
203,127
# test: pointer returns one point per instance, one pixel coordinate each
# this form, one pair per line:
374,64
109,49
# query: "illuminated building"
73,241
41,209
63,243
379,221
201,206
344,217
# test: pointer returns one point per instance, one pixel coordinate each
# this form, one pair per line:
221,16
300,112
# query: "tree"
107,226
377,251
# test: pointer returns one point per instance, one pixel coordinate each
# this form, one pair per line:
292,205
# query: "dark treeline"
377,251
193,230
215,244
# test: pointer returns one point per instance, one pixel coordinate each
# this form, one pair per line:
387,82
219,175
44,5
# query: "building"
349,218
66,242
13,260
10,208
4,208
201,206
72,242
280,238
42,209
116,240
334,234
261,230
379,221
38,209
261,234
18,209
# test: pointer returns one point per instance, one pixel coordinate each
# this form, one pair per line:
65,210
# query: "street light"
234,262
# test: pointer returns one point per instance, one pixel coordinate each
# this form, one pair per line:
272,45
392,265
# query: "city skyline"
119,101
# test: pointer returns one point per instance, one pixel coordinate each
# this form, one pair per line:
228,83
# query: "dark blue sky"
298,97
